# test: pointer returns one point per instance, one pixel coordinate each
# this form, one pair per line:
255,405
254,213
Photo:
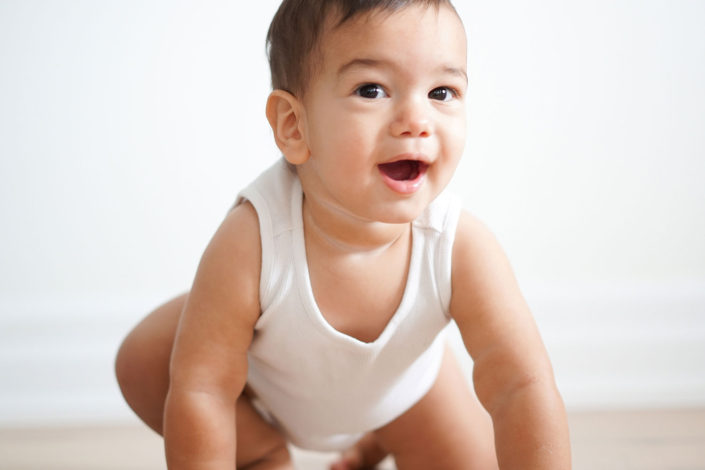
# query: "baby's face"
384,113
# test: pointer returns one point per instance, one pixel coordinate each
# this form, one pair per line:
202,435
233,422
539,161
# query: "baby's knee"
142,361
143,376
129,364
124,360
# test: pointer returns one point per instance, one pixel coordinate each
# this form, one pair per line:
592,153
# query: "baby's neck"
344,234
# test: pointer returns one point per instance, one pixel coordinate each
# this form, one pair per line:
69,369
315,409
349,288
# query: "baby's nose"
411,119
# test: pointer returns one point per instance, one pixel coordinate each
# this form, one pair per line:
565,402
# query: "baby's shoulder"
224,299
483,282
476,249
239,230
234,251
472,233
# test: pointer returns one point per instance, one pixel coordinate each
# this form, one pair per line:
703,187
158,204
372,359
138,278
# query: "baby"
317,313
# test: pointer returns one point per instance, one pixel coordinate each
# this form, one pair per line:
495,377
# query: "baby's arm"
512,374
209,361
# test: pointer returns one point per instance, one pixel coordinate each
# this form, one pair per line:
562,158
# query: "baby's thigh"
447,429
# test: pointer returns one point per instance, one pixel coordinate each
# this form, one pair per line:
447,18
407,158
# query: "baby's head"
297,28
369,101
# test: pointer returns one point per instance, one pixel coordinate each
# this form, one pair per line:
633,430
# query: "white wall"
126,128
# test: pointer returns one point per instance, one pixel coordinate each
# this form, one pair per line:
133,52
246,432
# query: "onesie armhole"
266,242
445,253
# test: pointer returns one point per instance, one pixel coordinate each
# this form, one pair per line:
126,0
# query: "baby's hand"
365,454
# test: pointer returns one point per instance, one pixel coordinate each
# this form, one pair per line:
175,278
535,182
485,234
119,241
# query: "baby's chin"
400,213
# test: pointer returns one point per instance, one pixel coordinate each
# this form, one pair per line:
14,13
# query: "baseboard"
57,354
625,345
612,346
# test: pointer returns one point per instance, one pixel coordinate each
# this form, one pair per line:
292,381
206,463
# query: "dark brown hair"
297,26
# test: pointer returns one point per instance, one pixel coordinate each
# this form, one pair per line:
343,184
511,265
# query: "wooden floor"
627,440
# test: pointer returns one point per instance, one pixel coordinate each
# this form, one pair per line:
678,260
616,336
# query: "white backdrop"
127,127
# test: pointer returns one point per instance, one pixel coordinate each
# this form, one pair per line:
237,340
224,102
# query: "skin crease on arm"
512,373
209,361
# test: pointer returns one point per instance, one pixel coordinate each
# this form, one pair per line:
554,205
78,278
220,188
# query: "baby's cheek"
457,138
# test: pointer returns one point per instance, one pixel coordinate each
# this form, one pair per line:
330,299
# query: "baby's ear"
284,114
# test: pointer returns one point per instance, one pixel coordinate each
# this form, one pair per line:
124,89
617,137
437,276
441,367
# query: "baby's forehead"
340,36
370,24
374,31
361,24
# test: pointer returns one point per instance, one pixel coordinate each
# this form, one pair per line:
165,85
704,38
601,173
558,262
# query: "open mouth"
403,170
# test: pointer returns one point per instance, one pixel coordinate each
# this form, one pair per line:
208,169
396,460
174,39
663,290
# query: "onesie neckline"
303,281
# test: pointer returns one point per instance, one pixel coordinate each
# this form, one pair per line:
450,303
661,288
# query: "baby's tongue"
401,170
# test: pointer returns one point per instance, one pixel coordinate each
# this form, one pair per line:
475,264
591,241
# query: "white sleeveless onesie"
322,388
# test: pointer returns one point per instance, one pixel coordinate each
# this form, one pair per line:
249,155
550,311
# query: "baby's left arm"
512,373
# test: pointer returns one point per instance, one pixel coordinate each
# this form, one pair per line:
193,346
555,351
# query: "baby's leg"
142,369
448,429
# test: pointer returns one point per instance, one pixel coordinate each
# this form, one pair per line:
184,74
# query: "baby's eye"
442,93
371,91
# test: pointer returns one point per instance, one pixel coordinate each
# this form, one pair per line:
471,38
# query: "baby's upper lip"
420,157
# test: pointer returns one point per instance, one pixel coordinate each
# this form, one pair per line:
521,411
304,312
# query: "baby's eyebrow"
365,63
457,71
377,63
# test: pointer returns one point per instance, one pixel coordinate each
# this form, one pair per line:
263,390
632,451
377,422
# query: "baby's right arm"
209,361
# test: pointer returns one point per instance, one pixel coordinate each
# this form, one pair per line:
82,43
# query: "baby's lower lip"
404,176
